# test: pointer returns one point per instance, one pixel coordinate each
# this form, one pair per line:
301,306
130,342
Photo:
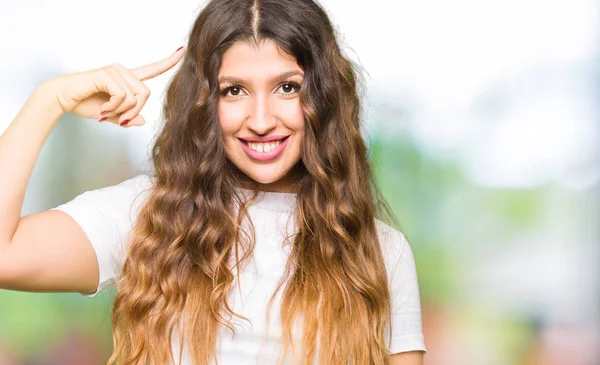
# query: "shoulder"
127,188
126,196
392,241
132,186
110,202
393,244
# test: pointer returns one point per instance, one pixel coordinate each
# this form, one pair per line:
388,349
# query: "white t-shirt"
107,215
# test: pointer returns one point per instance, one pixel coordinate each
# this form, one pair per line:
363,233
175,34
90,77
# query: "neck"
287,184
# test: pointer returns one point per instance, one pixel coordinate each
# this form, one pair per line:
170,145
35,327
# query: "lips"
264,156
263,139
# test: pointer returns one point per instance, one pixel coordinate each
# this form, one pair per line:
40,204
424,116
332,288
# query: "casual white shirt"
107,215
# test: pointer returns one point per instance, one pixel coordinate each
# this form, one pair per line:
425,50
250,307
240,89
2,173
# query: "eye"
289,88
235,91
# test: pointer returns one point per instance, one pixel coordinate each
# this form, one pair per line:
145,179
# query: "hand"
112,92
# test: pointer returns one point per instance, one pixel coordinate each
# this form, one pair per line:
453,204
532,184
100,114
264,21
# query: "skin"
407,358
259,101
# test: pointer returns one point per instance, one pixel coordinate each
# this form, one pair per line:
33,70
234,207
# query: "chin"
264,178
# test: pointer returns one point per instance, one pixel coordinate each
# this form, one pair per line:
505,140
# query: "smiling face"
260,113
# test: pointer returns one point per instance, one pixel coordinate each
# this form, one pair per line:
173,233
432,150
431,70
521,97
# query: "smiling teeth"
263,147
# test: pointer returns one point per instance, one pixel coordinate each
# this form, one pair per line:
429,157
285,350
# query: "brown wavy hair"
178,270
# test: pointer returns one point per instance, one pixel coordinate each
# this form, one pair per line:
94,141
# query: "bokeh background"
483,123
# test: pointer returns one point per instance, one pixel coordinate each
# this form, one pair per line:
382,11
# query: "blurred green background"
482,122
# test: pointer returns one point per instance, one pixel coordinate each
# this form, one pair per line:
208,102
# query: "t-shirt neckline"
270,200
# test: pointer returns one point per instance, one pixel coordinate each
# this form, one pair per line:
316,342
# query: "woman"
261,201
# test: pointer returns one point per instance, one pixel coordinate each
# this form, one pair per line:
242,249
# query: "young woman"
261,204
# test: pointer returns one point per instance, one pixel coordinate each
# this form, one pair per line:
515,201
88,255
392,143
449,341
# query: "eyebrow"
274,79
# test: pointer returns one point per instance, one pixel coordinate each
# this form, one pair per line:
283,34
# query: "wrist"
44,97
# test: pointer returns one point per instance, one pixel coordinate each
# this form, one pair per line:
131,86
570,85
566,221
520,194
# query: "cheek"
230,118
292,115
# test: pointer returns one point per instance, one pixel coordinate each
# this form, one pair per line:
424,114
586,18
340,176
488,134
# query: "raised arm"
50,251
45,251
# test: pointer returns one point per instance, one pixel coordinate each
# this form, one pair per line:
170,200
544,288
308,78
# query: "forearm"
20,146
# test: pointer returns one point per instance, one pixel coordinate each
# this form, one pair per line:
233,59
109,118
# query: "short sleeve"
107,215
406,323
407,330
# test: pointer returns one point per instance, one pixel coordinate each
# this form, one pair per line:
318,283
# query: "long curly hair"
178,267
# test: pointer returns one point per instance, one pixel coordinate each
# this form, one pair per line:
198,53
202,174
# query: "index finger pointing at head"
156,68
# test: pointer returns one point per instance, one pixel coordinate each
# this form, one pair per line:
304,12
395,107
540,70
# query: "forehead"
245,59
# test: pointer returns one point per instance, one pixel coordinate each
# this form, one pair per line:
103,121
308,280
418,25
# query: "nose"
261,119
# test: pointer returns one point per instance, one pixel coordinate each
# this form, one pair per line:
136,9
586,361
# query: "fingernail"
124,122
103,119
102,113
179,49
